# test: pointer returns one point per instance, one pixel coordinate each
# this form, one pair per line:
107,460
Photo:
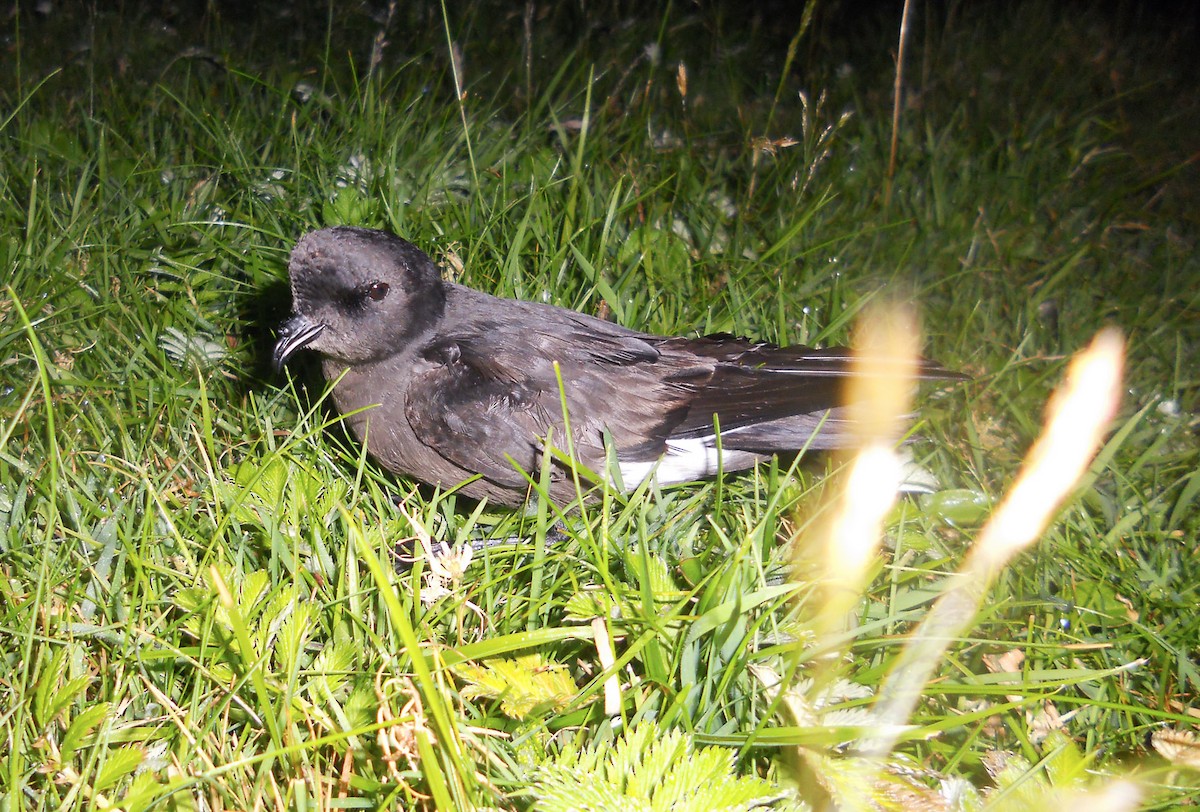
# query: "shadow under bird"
447,384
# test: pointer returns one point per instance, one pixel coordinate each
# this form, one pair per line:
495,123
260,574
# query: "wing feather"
489,397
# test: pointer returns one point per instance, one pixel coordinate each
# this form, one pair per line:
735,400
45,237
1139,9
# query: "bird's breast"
372,399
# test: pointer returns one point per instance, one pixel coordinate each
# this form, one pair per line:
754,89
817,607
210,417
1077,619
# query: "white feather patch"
685,461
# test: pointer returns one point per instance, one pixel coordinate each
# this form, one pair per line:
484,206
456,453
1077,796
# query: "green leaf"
144,791
1066,766
523,686
47,697
330,669
958,508
80,726
586,604
120,763
647,769
52,696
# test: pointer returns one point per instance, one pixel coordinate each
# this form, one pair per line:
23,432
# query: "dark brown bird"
447,384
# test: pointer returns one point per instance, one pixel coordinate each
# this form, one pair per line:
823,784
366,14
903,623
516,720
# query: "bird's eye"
376,291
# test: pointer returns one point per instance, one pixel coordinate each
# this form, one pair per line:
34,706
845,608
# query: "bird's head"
358,295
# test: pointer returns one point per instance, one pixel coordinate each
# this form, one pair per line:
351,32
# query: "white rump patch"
686,461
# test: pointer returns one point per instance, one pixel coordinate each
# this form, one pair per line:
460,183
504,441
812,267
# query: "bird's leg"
555,534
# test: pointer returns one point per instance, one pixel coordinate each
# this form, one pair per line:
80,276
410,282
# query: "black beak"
294,334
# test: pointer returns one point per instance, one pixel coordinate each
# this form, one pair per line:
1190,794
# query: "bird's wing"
756,385
488,397
770,398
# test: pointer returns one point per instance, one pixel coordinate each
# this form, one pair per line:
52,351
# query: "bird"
463,390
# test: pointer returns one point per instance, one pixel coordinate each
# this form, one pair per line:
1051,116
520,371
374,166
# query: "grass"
200,604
